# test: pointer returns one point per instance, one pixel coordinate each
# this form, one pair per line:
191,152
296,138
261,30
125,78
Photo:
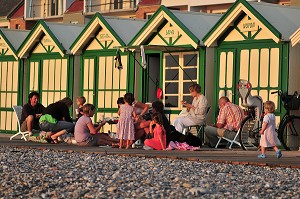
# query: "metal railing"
113,5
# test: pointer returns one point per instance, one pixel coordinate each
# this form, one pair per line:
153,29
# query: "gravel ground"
26,173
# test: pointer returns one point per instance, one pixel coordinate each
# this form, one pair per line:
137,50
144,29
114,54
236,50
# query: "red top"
154,143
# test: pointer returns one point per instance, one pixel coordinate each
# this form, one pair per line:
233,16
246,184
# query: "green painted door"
102,84
226,76
260,64
9,81
50,78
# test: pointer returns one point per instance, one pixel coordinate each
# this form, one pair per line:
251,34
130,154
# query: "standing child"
125,125
268,134
159,140
80,101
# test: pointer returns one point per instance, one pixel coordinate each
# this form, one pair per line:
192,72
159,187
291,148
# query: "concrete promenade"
290,159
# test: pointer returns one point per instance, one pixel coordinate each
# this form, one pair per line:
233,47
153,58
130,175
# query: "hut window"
180,70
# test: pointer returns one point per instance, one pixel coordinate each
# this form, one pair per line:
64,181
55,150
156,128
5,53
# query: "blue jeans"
59,126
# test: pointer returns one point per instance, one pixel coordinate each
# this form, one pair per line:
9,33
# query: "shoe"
278,154
147,147
262,156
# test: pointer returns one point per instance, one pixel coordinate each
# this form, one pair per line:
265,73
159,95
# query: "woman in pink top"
159,140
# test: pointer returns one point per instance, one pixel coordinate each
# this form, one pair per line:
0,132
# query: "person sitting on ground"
86,134
157,128
31,113
228,122
57,120
80,101
196,111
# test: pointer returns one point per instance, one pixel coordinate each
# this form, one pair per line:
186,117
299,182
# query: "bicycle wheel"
286,129
249,133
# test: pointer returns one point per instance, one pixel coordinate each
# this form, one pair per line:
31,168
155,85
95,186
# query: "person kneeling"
86,134
159,140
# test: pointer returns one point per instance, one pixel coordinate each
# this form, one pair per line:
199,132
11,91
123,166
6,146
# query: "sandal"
115,145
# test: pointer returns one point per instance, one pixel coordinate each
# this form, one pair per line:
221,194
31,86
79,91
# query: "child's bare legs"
56,135
275,148
121,144
263,150
128,144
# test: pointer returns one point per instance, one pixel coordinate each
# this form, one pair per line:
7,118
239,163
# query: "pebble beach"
32,173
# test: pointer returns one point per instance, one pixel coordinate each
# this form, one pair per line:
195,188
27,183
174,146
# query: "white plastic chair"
233,141
18,112
199,128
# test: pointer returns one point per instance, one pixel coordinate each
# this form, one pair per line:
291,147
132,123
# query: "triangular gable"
164,28
41,40
5,47
295,38
97,35
250,24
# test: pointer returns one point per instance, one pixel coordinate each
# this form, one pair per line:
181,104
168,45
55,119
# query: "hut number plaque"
249,25
169,32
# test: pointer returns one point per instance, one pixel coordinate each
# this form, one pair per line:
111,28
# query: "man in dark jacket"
31,113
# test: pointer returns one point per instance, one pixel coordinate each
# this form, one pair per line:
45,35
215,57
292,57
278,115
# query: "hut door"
226,74
88,81
50,78
151,78
9,80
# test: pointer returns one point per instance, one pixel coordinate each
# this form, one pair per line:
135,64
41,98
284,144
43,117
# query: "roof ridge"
195,13
15,30
119,18
275,5
68,24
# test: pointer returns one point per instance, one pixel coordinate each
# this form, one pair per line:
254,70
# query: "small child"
159,140
80,101
268,134
125,129
120,101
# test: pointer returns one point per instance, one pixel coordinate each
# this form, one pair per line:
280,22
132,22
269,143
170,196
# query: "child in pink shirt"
159,140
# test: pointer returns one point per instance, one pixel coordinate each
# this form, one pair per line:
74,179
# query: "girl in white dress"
268,135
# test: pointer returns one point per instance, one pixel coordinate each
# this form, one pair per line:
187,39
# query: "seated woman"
86,134
159,140
196,111
57,120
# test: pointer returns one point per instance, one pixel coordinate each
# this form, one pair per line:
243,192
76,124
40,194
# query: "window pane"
172,74
171,101
171,88
190,73
190,60
172,61
186,87
188,99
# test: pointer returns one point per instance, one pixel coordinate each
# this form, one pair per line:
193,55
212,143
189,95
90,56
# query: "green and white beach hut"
11,77
98,78
175,56
48,61
252,42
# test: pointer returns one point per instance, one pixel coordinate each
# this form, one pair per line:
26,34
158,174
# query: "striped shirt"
231,115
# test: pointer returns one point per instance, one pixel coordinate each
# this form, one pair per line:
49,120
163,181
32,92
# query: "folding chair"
18,112
233,141
199,128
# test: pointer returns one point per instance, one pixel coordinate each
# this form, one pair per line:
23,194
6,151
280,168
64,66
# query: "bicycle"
249,136
287,123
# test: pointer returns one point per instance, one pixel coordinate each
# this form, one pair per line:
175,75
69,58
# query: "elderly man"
228,122
31,113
